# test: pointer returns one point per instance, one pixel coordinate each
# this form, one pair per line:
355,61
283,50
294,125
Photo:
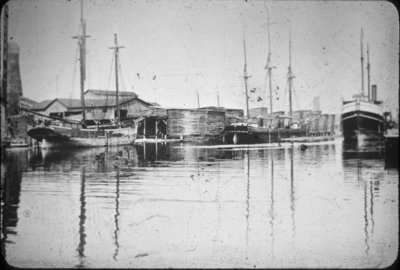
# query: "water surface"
172,205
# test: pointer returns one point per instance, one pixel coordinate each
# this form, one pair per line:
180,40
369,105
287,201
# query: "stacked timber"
183,122
325,123
195,122
215,122
331,123
324,119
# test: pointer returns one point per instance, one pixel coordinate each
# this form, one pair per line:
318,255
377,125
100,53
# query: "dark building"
14,84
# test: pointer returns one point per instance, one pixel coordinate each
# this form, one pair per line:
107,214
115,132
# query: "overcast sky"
198,46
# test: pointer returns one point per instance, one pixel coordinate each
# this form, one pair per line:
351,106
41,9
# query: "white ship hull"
362,120
62,137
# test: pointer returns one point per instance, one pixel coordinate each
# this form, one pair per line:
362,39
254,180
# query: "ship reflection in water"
173,205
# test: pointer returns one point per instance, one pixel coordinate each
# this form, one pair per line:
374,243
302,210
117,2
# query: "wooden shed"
152,123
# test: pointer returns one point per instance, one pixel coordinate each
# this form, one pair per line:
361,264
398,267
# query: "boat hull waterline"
61,137
243,134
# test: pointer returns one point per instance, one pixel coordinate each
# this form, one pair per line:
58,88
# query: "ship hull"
392,147
250,135
362,121
64,137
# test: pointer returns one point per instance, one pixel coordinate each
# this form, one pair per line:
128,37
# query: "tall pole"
4,53
82,60
290,77
116,79
245,76
368,74
116,51
198,99
362,63
292,199
218,99
269,67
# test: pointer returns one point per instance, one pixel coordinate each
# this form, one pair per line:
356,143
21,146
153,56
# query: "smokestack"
374,92
14,84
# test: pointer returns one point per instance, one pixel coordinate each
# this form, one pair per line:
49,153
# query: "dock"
392,145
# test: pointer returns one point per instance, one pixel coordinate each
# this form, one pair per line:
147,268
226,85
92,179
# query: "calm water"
175,205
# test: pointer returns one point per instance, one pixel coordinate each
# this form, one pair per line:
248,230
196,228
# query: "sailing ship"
246,132
68,133
362,117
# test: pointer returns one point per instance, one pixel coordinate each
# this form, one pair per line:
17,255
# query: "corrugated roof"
69,102
42,105
28,100
110,92
89,103
130,99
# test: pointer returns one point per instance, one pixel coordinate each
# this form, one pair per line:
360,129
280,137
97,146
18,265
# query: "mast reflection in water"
116,216
82,218
182,205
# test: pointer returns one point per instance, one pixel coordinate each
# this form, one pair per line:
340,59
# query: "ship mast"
82,60
4,54
198,98
116,51
290,77
245,76
362,64
368,74
269,68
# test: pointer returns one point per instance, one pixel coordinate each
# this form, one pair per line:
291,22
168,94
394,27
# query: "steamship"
362,117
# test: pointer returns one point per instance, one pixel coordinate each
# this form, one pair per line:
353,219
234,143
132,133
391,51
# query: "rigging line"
312,102
339,67
187,51
284,97
124,71
339,47
110,72
265,90
273,92
109,76
87,71
295,96
122,76
154,81
74,73
268,64
181,74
